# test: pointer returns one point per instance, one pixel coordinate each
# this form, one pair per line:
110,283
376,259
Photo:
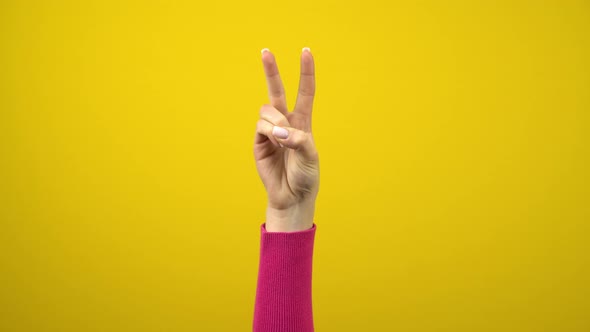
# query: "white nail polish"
280,132
264,50
305,49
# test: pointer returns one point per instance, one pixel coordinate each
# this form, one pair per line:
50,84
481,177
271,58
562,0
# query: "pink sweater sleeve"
283,294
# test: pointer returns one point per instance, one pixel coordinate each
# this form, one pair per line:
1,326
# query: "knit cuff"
283,294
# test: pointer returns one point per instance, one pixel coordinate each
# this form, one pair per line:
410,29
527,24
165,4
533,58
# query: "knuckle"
260,126
282,121
273,116
307,91
263,110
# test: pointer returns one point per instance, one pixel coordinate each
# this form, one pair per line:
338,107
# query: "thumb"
296,139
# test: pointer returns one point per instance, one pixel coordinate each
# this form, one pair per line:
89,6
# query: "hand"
284,150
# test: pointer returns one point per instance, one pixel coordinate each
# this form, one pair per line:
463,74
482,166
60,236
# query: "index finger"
276,91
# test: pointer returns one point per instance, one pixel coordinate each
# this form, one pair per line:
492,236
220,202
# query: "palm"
290,173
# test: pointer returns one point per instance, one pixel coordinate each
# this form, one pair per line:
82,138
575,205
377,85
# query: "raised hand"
285,152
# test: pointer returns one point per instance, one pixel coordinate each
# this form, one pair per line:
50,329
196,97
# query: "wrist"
295,218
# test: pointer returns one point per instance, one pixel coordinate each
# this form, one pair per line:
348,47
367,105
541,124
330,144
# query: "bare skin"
285,152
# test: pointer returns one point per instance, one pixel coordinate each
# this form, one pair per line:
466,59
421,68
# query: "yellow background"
453,140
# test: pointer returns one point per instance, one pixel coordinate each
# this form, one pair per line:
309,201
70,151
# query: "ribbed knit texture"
283,294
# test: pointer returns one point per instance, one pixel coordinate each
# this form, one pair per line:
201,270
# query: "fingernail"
264,50
305,49
280,132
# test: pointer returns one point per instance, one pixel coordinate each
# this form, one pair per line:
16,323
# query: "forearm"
283,295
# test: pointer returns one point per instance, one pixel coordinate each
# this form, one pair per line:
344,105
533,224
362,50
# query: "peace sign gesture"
284,150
